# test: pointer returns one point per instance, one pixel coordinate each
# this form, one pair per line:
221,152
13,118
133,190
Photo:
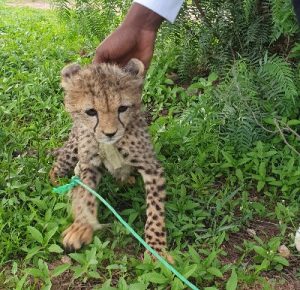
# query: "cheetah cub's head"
103,99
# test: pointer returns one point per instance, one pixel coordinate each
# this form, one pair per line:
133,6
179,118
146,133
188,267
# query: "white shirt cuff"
168,9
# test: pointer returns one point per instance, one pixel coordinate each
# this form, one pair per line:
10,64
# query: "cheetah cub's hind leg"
66,159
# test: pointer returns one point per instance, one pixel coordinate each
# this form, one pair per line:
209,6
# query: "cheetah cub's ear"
68,72
135,67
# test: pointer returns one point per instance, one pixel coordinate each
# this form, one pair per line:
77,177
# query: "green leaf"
260,185
215,271
155,278
106,286
169,82
239,174
281,260
55,249
194,255
262,169
137,286
212,77
21,282
122,284
263,266
14,268
190,270
36,234
80,258
59,205
293,122
228,158
32,252
176,284
47,286
50,234
36,273
261,251
210,258
60,269
78,271
232,281
94,274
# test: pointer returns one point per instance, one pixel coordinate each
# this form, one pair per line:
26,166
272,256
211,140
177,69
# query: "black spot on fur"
161,187
149,237
155,217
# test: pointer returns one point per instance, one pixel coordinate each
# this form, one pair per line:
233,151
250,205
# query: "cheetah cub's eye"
122,109
91,112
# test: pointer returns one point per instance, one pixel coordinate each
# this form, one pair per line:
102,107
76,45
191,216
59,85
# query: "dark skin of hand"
134,38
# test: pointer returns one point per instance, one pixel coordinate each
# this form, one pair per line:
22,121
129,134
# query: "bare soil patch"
264,229
30,3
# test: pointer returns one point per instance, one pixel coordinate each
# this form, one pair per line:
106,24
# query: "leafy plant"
222,94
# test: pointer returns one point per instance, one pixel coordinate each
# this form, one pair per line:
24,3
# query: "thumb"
101,56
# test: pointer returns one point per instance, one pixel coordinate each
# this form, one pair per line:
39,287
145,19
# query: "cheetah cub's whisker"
109,131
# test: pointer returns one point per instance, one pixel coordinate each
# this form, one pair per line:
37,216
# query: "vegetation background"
222,95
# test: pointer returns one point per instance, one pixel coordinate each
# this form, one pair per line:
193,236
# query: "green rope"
76,180
67,187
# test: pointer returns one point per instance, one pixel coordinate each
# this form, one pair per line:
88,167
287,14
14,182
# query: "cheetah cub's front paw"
77,235
163,254
53,177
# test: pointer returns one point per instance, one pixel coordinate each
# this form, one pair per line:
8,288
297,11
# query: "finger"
145,57
100,57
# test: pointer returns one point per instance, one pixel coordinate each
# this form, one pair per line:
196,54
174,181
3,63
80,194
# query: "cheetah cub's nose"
110,135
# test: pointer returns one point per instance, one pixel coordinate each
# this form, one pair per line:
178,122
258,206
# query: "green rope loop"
76,180
67,187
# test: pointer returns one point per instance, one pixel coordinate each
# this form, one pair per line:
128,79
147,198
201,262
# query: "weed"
225,170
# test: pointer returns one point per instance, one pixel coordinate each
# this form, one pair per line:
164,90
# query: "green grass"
214,194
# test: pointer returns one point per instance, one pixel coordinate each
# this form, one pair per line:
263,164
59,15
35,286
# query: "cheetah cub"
109,131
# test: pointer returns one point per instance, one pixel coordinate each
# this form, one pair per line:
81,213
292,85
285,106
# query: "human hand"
134,38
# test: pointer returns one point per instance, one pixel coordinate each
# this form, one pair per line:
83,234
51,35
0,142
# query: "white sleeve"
168,9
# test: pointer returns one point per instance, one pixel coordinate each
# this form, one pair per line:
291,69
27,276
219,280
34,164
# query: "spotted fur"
104,102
